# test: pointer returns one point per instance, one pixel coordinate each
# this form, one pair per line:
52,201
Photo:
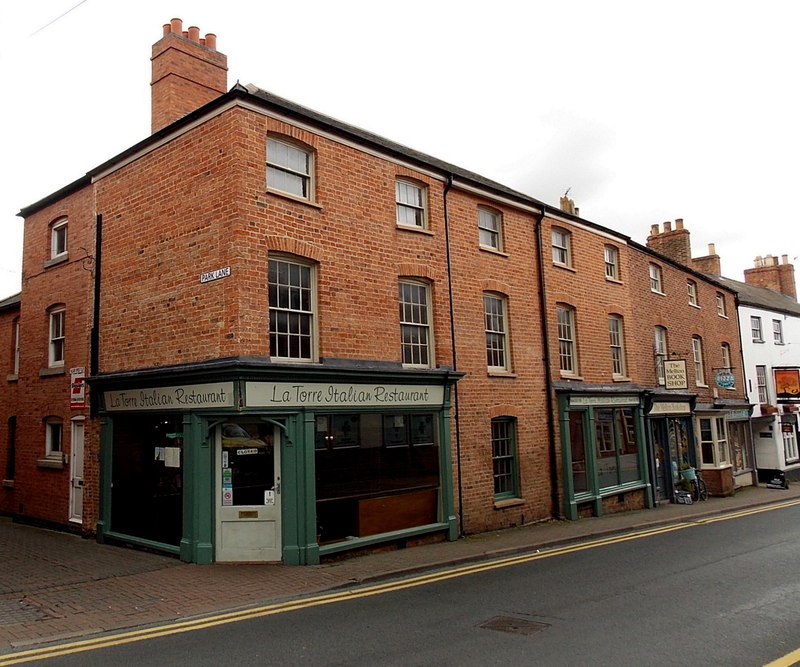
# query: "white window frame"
691,290
495,316
293,310
718,441
411,201
660,352
56,348
699,365
561,240
567,353
611,261
725,349
54,438
416,349
59,238
722,310
761,385
777,332
490,229
656,282
616,336
284,169
756,331
790,450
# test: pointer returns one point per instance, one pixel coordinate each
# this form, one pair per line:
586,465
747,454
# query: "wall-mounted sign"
219,395
725,379
675,374
787,383
603,400
323,394
77,388
208,276
671,408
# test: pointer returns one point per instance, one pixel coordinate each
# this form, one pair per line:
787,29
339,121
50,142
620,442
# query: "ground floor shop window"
577,440
147,479
739,435
714,451
672,452
617,449
375,473
789,435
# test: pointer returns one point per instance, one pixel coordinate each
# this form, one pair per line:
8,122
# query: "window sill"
566,267
507,502
12,377
8,483
493,251
56,370
418,230
60,259
694,305
571,376
655,291
501,374
294,198
724,317
620,378
51,462
615,281
702,386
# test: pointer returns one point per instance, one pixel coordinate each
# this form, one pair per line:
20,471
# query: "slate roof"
761,297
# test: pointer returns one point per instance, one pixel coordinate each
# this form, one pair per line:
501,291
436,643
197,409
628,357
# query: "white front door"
76,472
248,494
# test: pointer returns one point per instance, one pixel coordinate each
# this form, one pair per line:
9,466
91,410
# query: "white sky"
648,113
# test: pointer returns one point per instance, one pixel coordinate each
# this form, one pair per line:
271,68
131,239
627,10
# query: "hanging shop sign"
675,374
77,388
324,394
181,397
787,383
725,379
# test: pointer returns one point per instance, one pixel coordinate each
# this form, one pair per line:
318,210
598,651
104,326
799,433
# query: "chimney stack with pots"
768,272
710,263
188,72
672,243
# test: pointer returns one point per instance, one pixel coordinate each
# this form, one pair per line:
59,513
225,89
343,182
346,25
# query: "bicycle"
699,490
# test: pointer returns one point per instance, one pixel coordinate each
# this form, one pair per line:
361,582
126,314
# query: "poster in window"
787,383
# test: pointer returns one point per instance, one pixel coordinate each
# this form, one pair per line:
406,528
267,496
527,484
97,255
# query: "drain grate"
518,626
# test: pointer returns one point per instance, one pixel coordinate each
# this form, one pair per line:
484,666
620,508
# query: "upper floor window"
289,168
616,336
58,317
691,289
58,238
611,257
697,355
660,349
566,340
490,231
722,310
411,204
494,309
562,247
415,324
777,332
504,458
755,329
655,278
761,384
15,346
726,357
291,310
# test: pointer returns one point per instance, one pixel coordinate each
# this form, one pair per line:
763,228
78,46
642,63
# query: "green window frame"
505,466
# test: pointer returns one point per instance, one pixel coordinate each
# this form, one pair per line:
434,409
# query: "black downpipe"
94,338
548,374
457,414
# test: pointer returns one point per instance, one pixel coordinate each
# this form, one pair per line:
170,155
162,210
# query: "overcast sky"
687,109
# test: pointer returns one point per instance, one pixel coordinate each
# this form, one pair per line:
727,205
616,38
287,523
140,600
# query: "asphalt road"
722,592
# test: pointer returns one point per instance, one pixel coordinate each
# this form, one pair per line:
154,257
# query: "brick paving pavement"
55,586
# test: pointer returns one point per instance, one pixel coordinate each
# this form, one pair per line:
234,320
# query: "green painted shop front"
217,462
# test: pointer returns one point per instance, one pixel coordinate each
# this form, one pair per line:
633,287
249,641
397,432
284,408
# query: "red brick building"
301,338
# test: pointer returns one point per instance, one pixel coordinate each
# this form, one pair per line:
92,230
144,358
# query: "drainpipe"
551,428
457,414
94,338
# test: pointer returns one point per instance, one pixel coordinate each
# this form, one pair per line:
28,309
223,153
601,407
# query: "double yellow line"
356,593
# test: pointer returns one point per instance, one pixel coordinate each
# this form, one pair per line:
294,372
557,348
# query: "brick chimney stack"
672,243
769,273
188,72
710,263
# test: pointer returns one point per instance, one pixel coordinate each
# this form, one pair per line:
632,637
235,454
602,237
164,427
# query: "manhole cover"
519,626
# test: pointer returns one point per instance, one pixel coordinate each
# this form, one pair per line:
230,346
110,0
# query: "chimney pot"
668,226
712,249
194,33
784,259
211,41
176,26
167,29
654,230
678,223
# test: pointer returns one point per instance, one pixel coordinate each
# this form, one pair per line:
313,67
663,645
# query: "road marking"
367,591
786,661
